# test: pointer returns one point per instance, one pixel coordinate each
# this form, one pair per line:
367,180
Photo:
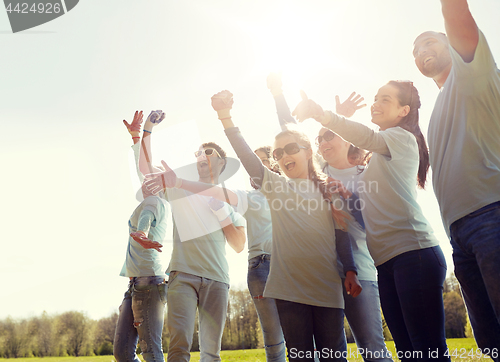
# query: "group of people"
332,232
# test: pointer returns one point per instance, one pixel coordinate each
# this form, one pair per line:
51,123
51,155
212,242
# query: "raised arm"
284,115
168,179
461,28
222,103
134,129
354,132
146,156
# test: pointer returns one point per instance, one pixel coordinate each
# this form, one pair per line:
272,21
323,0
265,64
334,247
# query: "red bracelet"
135,137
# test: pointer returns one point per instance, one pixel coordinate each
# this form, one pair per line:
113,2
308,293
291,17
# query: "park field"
461,349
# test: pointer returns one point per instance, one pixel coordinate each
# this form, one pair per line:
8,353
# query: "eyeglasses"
290,149
208,152
327,136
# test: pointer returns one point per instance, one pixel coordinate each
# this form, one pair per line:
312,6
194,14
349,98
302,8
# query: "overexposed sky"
65,87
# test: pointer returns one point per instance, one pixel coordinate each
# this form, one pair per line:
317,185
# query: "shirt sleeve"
136,147
242,206
237,218
344,251
248,158
353,206
358,134
145,220
284,115
472,74
400,143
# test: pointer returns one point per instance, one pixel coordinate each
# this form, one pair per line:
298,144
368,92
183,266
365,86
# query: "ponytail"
408,96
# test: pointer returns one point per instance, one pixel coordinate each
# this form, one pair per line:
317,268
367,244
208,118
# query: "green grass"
462,346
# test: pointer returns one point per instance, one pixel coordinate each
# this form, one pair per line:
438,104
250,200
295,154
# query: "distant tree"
348,333
386,331
43,329
105,334
76,328
451,284
454,308
15,338
468,328
165,336
455,315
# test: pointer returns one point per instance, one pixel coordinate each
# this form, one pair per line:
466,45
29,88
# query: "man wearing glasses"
464,134
198,270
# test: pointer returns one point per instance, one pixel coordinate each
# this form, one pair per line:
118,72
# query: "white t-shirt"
464,136
364,262
199,241
304,257
393,219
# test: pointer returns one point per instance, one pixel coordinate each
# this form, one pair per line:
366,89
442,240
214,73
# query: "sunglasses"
208,152
290,149
327,136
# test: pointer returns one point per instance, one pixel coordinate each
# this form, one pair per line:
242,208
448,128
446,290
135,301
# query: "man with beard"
464,134
198,270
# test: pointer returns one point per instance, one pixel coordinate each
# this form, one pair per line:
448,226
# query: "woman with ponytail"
410,264
303,278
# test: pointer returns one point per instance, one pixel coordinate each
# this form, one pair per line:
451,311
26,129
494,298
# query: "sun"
285,41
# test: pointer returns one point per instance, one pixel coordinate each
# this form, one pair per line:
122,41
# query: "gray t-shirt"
140,262
464,136
393,219
304,262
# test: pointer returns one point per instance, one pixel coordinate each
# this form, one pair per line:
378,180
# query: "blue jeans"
186,293
305,324
475,239
411,295
258,270
141,319
365,320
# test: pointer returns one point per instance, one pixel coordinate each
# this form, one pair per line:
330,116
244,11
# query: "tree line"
75,334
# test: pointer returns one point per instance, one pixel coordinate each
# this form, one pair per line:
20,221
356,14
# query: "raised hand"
146,243
337,187
222,100
156,182
274,83
350,105
307,108
154,118
135,127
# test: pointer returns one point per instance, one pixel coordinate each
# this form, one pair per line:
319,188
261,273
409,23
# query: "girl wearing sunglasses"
303,278
254,207
411,266
344,163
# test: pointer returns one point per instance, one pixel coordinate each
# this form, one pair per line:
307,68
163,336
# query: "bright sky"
66,86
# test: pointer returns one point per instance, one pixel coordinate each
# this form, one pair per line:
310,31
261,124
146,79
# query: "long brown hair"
274,165
358,156
408,96
319,178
